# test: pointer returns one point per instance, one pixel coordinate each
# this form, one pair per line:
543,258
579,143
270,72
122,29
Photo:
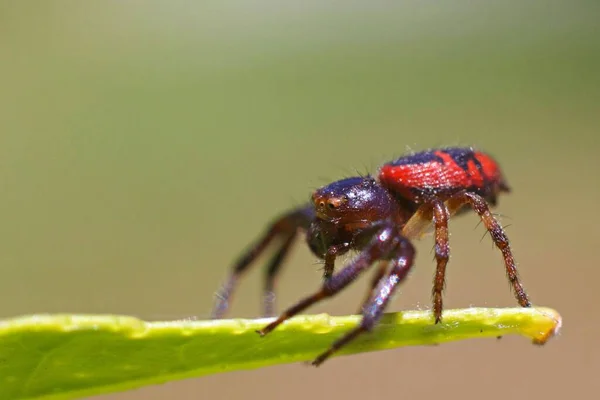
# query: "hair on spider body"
379,217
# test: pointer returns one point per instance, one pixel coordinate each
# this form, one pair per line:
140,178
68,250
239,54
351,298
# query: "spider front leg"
378,248
286,228
379,274
401,263
330,257
480,206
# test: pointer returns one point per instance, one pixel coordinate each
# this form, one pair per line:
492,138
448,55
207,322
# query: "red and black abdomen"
440,173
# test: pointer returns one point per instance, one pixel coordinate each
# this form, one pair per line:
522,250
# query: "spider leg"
442,255
372,312
272,271
379,247
480,206
330,257
379,274
417,226
286,227
419,223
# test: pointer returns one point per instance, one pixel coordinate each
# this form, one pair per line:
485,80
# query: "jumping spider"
379,217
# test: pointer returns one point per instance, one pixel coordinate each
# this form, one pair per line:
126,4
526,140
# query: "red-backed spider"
379,218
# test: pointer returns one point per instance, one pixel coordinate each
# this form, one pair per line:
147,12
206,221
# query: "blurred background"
144,144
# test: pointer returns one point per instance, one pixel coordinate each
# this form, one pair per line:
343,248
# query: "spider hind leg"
481,207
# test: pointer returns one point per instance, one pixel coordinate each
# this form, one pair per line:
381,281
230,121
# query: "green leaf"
70,356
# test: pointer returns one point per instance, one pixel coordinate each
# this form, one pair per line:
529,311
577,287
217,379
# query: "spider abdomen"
442,173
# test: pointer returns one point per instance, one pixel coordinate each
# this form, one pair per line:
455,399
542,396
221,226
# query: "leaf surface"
71,356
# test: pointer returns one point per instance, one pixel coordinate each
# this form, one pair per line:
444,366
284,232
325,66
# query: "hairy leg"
480,206
284,227
330,257
442,255
380,246
372,312
272,271
379,274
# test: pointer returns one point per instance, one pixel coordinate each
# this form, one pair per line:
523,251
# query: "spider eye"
334,203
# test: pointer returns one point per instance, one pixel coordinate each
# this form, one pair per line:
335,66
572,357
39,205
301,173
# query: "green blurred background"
144,144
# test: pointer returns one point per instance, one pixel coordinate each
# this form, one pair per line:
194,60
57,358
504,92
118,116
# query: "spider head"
352,200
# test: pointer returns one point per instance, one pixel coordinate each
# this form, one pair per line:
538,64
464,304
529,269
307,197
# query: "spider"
378,218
